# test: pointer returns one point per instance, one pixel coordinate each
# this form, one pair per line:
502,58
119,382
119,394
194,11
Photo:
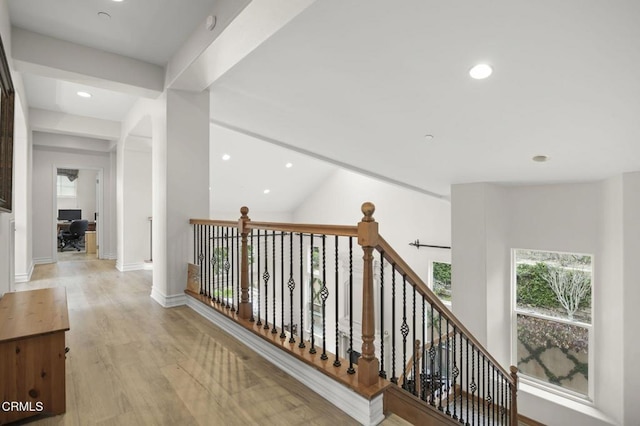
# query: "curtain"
71,174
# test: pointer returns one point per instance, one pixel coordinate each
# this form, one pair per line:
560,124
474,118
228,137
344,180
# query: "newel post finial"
244,309
368,365
368,209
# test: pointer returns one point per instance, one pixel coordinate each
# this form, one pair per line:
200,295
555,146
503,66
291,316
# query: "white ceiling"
62,96
149,30
361,82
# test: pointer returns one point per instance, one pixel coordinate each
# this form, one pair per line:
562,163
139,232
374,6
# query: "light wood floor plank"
133,362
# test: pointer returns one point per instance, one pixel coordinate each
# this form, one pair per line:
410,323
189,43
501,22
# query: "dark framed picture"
7,101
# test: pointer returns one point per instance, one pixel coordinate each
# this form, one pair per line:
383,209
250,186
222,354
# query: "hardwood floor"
133,362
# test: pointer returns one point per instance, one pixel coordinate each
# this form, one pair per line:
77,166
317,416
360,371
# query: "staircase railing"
374,320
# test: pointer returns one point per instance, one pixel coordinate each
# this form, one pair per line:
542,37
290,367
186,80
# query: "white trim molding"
25,278
367,412
168,301
130,266
43,260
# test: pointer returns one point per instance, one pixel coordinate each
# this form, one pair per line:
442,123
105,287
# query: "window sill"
584,407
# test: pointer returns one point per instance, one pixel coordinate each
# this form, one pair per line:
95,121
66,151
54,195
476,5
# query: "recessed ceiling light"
226,157
266,191
118,1
540,158
480,71
84,94
428,137
104,15
288,165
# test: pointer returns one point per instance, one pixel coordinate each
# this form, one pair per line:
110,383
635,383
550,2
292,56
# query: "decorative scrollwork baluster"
324,294
274,329
292,286
382,372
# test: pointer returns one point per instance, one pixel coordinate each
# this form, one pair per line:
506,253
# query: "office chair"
74,235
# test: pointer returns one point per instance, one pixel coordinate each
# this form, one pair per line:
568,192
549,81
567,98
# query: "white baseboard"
130,266
42,260
109,256
170,301
25,278
367,412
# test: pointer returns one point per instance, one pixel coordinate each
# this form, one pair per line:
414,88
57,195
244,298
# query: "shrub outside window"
552,325
441,281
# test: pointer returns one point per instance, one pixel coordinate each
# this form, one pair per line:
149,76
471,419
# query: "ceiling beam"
50,57
58,122
255,24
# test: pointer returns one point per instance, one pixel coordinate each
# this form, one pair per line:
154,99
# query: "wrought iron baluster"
455,371
259,322
351,370
312,350
432,358
336,362
274,329
423,355
238,265
415,350
233,277
199,260
440,375
394,378
448,372
292,285
473,385
301,344
382,373
205,259
265,277
252,286
404,329
483,388
324,293
227,267
282,333
467,376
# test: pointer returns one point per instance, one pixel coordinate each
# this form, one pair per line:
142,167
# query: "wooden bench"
32,353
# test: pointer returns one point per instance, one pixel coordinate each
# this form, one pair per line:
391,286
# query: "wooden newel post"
514,396
244,310
368,365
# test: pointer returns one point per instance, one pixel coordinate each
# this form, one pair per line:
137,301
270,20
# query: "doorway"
77,207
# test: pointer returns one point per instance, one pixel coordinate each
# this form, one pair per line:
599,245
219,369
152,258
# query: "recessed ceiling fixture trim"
226,157
480,71
288,165
84,94
104,15
266,191
540,158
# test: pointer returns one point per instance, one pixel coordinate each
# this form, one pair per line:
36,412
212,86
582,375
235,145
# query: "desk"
32,352
64,226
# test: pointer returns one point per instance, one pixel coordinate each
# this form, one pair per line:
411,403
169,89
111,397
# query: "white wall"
490,220
45,162
403,215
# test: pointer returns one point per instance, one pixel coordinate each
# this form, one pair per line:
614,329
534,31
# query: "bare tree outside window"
570,286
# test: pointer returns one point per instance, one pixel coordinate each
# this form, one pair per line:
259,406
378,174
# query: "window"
441,281
67,188
552,319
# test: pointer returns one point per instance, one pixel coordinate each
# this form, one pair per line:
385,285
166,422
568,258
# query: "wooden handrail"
212,222
339,230
402,267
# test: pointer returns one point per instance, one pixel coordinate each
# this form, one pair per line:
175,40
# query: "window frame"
430,281
539,383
